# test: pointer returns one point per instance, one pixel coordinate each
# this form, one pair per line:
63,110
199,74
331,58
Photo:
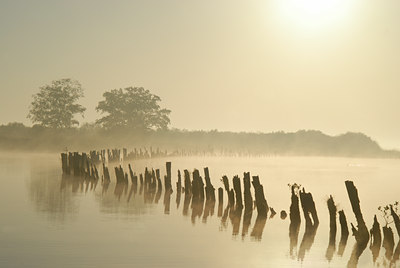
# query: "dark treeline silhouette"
16,136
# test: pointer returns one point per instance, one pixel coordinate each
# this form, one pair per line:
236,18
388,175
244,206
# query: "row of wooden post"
197,191
78,165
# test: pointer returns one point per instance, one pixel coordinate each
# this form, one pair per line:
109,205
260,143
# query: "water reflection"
376,239
344,233
295,220
246,221
144,192
54,198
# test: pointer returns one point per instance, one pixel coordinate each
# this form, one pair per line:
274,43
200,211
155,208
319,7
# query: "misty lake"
51,221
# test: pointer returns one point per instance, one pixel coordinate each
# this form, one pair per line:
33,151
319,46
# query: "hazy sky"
217,64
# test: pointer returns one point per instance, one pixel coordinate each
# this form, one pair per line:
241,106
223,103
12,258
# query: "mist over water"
64,221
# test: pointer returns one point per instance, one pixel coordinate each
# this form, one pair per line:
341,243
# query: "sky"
254,66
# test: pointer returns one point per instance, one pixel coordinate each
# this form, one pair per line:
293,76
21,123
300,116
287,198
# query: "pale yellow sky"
227,65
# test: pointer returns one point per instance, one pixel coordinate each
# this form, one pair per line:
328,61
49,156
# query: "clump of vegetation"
296,187
386,211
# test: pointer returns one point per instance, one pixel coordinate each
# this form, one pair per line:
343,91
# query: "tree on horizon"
134,108
55,105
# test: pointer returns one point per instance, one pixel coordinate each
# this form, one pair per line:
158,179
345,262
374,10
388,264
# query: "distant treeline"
17,137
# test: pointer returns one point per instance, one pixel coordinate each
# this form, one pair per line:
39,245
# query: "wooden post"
167,178
188,186
332,216
106,174
210,190
261,203
64,163
133,176
308,205
332,229
231,198
238,192
361,234
178,189
395,219
344,233
226,184
248,199
159,187
220,195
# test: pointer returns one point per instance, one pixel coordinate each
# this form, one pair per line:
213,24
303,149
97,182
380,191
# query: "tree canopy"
132,107
56,104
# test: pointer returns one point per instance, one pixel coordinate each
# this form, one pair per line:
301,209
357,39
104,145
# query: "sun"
314,14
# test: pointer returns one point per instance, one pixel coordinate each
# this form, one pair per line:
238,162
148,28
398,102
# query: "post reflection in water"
295,219
376,239
344,233
246,221
332,229
51,197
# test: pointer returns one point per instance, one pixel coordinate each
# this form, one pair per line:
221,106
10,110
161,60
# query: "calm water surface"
48,221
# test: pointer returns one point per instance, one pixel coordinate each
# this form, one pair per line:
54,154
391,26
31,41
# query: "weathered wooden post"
159,187
261,203
344,234
64,163
70,162
188,186
248,200
133,176
76,162
308,205
361,232
197,186
226,184
231,198
238,192
106,174
220,201
396,219
210,190
167,178
141,179
178,189
332,229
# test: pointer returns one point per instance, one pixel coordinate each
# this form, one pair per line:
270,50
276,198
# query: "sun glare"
314,14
